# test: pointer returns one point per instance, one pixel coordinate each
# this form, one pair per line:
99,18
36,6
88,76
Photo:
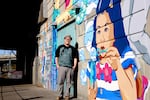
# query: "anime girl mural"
116,76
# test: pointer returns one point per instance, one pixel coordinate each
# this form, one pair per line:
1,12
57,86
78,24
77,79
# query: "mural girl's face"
104,32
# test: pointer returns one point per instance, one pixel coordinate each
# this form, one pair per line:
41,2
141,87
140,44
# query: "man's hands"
56,60
74,67
57,66
75,64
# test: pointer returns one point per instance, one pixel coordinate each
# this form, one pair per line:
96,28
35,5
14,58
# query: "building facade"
130,18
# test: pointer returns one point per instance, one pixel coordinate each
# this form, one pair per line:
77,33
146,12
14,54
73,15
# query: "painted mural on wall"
43,45
47,70
88,39
81,54
114,40
134,24
114,71
84,8
83,77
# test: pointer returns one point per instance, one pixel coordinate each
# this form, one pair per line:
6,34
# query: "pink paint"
99,71
145,87
67,2
107,71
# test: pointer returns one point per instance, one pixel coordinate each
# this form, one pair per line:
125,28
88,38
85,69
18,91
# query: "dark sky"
18,23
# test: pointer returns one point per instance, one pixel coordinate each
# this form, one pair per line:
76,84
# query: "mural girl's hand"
112,57
92,94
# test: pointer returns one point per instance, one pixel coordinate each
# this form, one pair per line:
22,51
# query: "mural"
81,55
134,24
47,70
76,8
88,39
45,65
86,7
115,37
83,77
114,69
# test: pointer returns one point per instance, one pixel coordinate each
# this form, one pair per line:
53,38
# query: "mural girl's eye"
98,31
106,29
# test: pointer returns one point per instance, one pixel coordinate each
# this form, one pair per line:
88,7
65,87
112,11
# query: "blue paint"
100,51
81,55
92,73
83,76
121,43
88,35
54,43
43,65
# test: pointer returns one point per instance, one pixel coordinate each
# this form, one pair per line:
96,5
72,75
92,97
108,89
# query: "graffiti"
54,45
48,60
134,24
48,39
46,66
67,2
83,77
80,17
85,8
92,4
56,4
56,12
88,39
81,55
45,58
114,58
43,62
91,72
65,16
115,38
53,78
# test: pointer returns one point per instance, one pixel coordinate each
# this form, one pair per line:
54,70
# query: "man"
66,61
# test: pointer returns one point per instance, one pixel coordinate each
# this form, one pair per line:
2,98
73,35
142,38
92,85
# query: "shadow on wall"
76,73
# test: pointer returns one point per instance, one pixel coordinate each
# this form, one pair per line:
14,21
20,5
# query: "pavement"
27,92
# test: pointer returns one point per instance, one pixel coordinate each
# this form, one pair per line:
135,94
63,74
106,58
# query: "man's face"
67,41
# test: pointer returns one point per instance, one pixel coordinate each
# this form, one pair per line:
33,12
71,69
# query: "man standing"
66,62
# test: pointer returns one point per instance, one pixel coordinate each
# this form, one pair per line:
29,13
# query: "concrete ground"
26,92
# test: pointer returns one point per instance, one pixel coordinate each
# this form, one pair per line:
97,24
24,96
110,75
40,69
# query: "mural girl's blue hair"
94,33
121,42
94,37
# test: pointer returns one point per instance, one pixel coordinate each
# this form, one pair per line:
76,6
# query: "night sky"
19,27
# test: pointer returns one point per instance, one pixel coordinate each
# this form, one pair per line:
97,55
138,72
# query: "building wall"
135,15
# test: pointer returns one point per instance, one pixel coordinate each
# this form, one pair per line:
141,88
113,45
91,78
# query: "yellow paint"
65,16
56,4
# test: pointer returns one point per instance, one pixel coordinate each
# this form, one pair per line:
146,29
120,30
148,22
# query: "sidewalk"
26,92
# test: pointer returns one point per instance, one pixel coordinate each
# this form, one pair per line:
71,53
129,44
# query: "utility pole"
9,62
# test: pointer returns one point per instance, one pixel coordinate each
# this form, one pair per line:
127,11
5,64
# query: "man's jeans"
64,73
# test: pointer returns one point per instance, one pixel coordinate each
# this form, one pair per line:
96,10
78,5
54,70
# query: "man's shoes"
67,98
59,98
